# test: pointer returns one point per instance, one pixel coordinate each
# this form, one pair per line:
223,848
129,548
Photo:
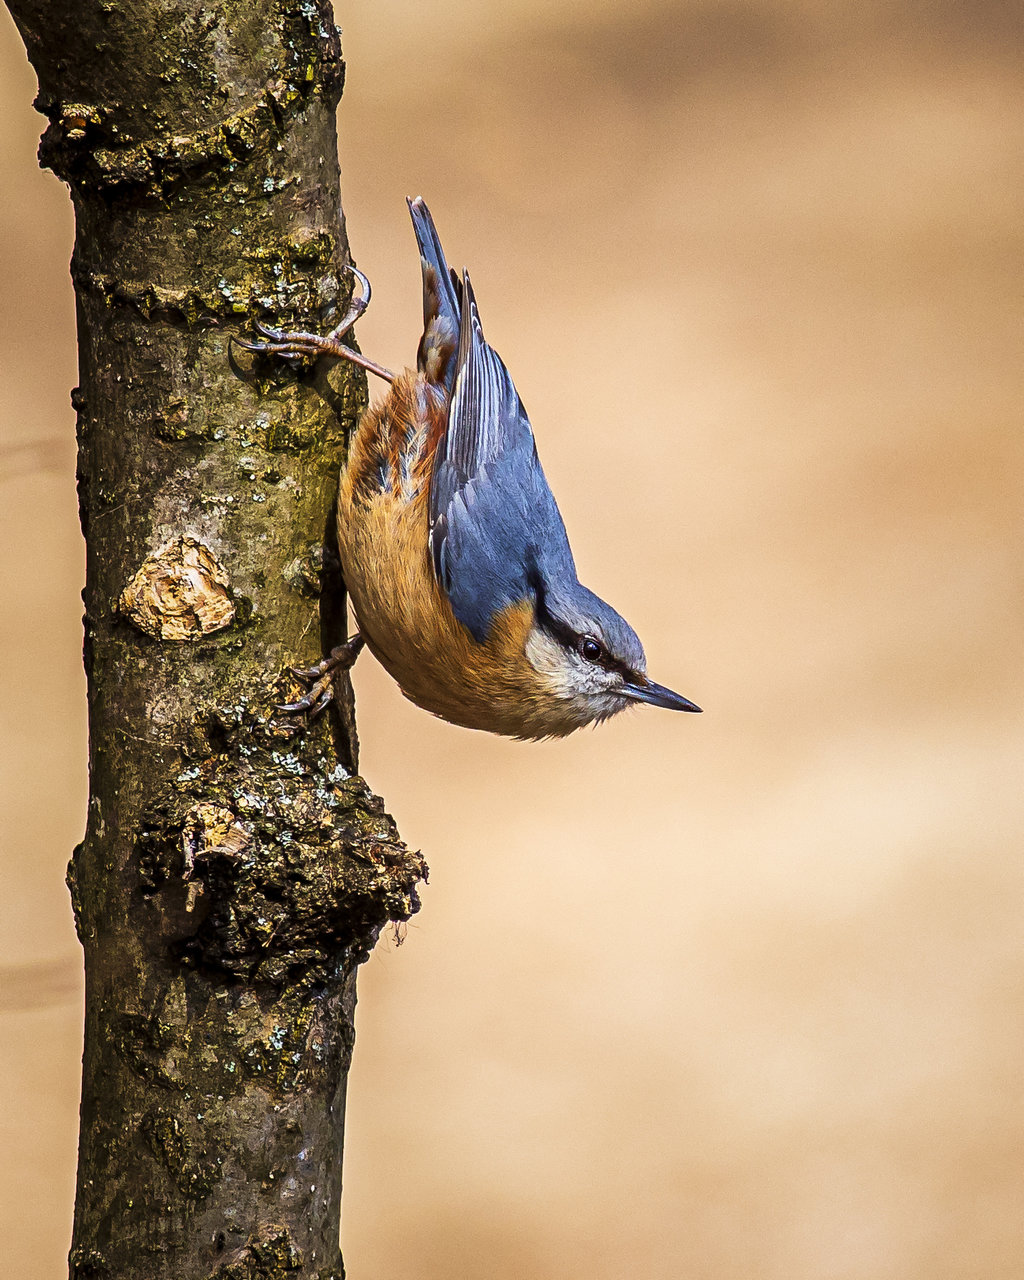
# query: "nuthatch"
453,550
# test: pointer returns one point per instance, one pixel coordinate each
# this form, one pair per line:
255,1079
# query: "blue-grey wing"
495,527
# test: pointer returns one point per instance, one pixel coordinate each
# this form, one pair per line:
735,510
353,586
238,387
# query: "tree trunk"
234,871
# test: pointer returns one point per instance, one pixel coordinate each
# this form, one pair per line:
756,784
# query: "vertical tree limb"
234,870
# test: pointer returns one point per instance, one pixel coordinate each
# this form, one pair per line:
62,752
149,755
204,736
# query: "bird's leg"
320,679
290,345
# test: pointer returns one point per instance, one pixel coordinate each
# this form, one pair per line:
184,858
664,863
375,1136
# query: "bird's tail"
442,301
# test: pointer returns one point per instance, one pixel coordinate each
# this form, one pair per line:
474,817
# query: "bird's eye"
591,649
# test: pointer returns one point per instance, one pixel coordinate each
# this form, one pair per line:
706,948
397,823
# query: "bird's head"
589,659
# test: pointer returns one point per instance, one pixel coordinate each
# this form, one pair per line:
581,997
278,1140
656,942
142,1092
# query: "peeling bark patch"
210,829
180,593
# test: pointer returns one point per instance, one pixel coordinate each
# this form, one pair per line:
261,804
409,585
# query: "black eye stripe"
570,639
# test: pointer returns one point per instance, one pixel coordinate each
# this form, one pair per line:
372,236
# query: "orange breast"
405,617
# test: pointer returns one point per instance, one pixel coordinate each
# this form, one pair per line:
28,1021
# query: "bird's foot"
299,344
319,680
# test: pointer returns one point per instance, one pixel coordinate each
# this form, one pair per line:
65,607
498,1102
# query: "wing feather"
494,522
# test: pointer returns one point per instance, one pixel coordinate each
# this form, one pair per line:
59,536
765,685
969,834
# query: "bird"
452,547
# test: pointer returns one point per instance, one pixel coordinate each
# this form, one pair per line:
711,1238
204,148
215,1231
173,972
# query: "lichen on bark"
235,869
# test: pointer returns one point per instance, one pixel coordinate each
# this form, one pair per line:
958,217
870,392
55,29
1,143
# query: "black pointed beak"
643,690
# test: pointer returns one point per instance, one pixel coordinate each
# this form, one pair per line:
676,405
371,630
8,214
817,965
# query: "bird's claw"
307,675
276,335
313,703
290,346
317,697
320,679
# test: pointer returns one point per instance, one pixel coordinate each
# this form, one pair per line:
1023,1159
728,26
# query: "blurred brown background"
714,997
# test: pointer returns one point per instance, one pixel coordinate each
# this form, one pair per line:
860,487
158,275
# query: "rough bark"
234,870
